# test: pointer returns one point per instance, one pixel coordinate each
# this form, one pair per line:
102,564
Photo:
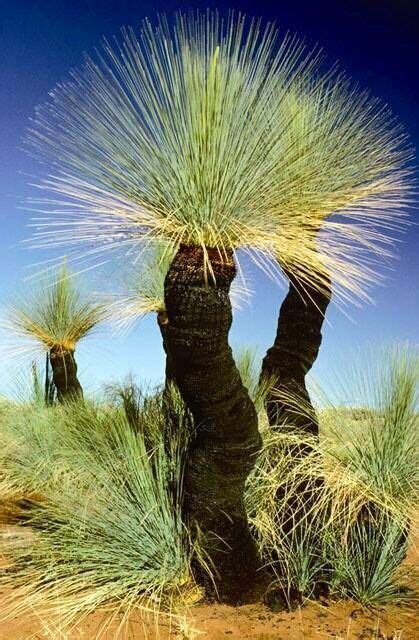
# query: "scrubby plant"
186,136
367,564
104,486
53,320
106,530
350,526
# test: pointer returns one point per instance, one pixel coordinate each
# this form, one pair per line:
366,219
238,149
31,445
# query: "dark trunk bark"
292,355
64,374
162,321
226,441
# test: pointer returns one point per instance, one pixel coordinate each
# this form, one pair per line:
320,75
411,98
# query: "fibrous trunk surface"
64,374
227,440
292,355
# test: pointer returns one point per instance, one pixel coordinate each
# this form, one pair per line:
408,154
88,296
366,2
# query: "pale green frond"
222,134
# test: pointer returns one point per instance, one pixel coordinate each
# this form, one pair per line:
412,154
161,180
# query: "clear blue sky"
376,41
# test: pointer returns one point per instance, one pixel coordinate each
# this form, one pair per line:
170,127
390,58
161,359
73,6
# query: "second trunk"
292,355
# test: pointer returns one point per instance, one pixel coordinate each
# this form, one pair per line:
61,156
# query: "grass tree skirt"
227,440
64,374
292,355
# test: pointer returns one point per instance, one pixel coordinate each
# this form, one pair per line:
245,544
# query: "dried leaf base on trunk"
226,441
64,374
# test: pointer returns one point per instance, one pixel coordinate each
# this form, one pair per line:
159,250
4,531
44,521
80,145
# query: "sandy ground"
338,620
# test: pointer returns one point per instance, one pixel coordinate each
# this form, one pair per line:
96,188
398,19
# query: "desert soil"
325,620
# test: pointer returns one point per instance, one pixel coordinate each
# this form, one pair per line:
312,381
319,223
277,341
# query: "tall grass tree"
179,136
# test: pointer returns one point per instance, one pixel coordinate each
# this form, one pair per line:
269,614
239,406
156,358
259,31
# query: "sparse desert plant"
107,530
186,136
381,453
53,320
367,563
107,494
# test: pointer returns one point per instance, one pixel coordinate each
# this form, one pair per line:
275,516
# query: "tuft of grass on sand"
350,532
107,530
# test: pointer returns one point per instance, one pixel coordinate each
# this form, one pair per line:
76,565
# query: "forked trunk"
227,440
292,355
64,374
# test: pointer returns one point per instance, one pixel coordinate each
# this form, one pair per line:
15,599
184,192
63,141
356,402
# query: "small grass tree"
182,136
54,319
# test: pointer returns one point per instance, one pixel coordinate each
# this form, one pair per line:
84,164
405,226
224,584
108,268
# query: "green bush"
360,483
106,529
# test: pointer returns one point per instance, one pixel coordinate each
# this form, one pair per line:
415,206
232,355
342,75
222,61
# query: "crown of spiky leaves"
56,315
220,134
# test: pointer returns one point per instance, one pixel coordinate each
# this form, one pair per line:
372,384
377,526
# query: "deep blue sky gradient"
376,42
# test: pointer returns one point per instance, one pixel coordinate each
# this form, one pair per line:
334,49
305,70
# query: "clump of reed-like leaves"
221,134
106,524
102,485
57,315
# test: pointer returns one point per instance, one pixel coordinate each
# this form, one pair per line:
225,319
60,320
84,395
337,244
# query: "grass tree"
179,137
53,320
345,172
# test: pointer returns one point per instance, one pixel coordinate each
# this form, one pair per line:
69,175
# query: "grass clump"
367,566
348,530
104,487
106,529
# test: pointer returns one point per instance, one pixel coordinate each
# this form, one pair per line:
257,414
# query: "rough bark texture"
163,321
227,440
294,352
64,374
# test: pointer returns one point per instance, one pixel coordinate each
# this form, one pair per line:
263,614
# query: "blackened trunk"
292,355
64,374
226,442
